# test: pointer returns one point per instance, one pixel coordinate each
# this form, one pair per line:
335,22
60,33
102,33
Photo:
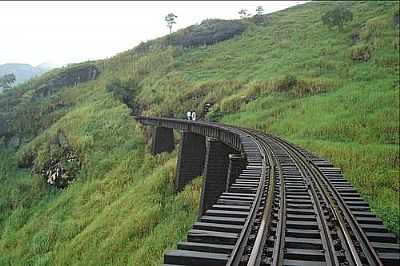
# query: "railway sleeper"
303,243
206,247
289,262
389,259
303,225
300,217
377,228
222,220
213,237
381,237
300,211
304,255
234,202
194,258
369,220
229,228
225,213
230,207
386,247
243,190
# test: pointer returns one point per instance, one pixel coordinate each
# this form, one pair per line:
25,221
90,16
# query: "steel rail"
328,243
368,250
264,229
280,232
237,252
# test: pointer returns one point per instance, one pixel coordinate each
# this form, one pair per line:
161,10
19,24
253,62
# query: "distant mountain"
24,72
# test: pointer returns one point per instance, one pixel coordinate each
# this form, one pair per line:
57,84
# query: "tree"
170,19
259,17
243,13
337,17
7,80
260,11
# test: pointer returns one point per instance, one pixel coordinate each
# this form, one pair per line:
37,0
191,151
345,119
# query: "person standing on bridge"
189,115
194,116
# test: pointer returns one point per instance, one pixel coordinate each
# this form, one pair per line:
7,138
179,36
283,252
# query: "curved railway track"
287,207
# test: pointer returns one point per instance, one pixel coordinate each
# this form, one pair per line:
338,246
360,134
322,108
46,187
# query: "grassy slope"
123,203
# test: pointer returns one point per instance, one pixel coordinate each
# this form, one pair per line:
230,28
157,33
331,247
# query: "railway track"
287,207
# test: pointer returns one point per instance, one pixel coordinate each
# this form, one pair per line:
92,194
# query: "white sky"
68,32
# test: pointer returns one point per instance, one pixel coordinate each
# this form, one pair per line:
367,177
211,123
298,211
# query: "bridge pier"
236,164
191,157
162,140
215,172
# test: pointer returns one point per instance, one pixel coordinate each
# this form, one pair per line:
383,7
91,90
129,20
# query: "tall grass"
122,210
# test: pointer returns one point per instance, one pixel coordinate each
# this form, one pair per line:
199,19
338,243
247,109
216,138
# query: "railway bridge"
265,201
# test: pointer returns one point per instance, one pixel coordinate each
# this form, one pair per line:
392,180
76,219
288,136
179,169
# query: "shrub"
376,25
288,83
361,53
311,87
215,115
124,91
337,17
233,103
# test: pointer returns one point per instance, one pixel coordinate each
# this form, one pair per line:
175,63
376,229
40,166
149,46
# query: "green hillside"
289,75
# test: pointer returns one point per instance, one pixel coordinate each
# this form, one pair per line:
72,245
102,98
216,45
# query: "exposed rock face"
209,32
62,168
70,77
61,172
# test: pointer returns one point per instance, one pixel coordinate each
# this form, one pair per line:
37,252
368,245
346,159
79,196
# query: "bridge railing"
224,134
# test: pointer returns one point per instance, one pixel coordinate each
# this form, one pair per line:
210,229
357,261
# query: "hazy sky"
67,32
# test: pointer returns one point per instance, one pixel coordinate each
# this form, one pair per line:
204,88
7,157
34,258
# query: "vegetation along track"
287,207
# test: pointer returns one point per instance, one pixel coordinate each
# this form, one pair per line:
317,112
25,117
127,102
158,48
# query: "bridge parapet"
221,133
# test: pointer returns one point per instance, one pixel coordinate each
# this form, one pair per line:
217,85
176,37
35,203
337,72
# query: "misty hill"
334,92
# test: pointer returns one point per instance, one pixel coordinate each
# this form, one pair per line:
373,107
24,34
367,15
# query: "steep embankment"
287,74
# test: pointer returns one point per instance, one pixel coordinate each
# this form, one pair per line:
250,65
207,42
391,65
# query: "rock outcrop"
61,169
61,172
70,77
209,32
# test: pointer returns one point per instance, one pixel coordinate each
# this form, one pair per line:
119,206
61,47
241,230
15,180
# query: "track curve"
287,207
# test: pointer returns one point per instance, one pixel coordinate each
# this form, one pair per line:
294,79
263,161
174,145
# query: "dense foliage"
337,17
7,80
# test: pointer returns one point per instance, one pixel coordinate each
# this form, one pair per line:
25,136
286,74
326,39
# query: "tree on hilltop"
259,16
244,13
170,19
260,11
